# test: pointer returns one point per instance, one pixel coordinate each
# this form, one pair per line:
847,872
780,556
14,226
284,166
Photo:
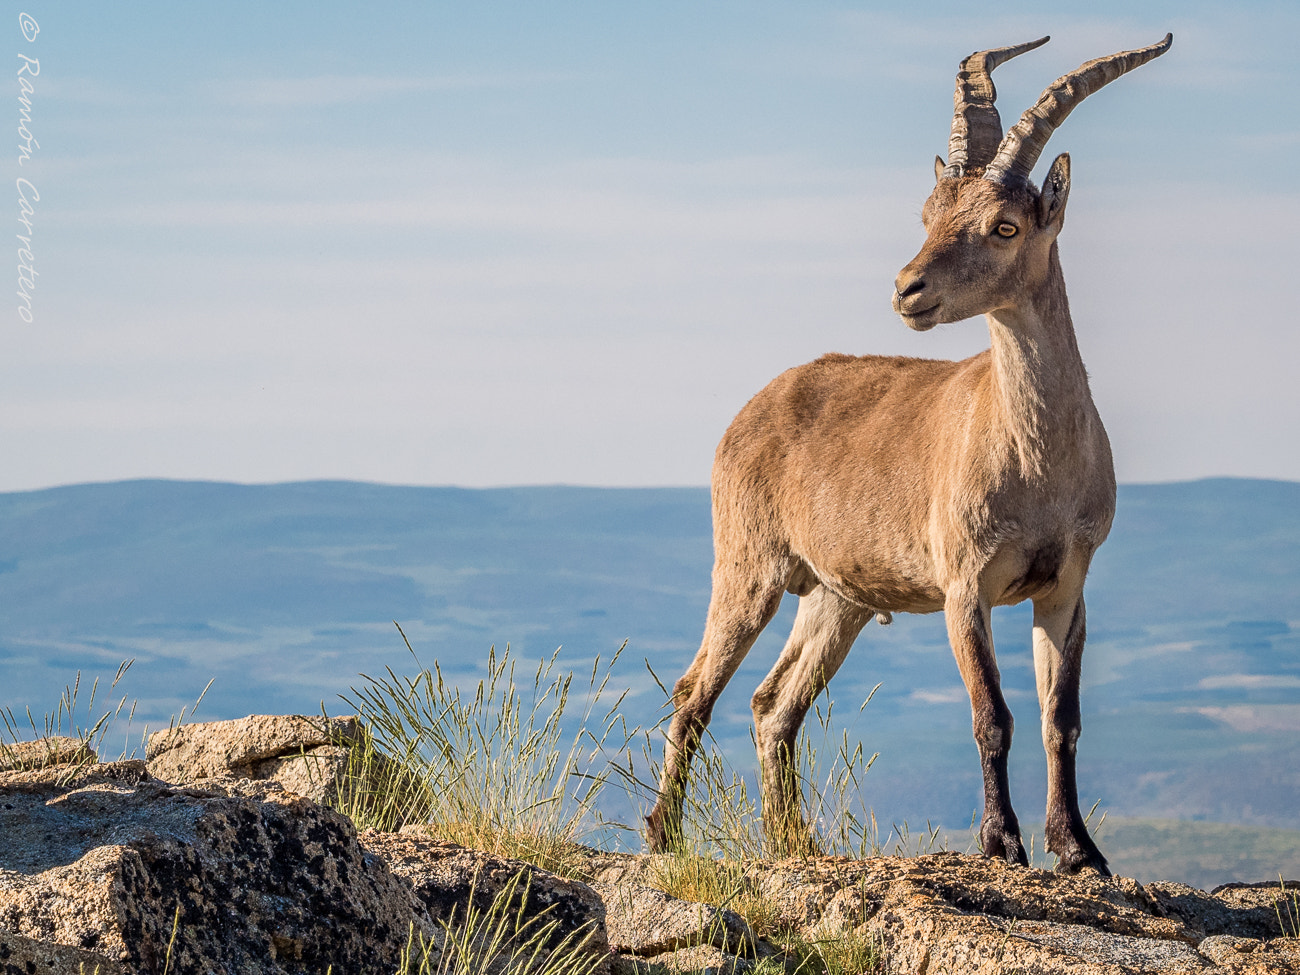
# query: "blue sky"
511,243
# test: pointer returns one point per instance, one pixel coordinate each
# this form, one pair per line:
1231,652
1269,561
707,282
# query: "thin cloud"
327,90
1248,682
1249,719
941,695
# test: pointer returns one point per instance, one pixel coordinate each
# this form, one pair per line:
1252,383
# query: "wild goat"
875,485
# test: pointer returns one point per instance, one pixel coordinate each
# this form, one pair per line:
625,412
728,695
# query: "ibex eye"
1007,230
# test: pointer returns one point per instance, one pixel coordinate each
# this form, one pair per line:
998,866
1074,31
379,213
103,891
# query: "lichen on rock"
108,866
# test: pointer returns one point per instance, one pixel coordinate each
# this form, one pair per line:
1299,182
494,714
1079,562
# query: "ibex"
875,485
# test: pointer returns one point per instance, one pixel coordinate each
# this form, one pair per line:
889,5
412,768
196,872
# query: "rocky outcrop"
448,881
306,755
233,879
109,866
951,913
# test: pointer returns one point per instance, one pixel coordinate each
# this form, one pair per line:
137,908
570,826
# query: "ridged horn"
1025,142
976,127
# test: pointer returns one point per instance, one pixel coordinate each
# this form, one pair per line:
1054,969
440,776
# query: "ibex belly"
887,583
904,576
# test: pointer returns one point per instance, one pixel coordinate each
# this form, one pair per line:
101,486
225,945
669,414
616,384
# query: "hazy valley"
284,593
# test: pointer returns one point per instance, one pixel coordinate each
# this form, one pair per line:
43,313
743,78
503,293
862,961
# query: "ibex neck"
1040,386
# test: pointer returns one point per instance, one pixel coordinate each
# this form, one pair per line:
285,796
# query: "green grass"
72,717
722,814
506,936
722,838
75,717
493,770
1287,905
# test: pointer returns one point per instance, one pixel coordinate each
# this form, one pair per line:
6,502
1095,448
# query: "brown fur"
879,484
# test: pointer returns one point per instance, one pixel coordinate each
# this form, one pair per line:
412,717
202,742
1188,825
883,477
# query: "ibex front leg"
1058,652
972,643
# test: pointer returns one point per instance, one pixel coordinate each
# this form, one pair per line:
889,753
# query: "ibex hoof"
1082,863
659,835
1005,845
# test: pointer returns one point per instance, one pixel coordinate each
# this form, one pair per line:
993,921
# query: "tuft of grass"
854,951
72,717
724,883
729,884
378,792
76,718
721,809
1287,907
489,770
506,937
722,838
833,791
900,841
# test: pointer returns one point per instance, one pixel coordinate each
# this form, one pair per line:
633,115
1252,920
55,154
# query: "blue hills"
283,594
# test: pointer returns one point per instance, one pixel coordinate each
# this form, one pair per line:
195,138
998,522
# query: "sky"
524,243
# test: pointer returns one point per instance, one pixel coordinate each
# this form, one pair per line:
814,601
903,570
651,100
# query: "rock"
647,922
128,772
951,913
447,879
306,755
24,756
248,879
96,860
1026,942
961,914
623,868
1251,956
31,957
1245,910
702,960
629,965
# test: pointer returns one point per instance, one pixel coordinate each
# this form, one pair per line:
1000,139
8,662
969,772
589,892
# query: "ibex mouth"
921,320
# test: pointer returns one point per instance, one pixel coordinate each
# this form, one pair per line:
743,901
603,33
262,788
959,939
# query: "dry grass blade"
1287,906
73,718
507,937
489,770
722,815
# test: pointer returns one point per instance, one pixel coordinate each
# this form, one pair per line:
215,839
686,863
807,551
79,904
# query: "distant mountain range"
283,594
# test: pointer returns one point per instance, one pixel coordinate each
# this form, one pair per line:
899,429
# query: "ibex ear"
1056,189
939,166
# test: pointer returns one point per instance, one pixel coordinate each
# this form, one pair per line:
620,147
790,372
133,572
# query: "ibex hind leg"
823,633
739,609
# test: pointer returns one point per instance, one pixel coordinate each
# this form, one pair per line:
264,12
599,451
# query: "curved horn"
976,127
1025,142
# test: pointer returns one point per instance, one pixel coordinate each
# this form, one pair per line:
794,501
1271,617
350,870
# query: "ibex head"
990,232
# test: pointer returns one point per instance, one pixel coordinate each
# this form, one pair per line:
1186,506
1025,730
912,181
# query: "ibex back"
874,485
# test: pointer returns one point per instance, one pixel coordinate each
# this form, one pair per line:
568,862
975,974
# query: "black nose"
907,288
